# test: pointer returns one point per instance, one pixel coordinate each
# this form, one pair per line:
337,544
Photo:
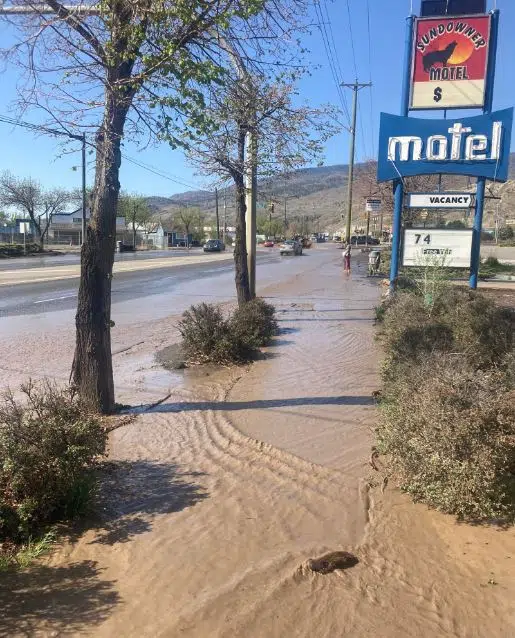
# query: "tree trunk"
134,235
240,246
92,368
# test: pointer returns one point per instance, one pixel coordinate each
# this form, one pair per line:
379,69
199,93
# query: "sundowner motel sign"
449,64
474,146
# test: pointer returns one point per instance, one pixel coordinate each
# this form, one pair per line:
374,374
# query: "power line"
336,59
352,40
160,173
330,59
371,94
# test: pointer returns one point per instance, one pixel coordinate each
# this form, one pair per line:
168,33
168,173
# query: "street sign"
373,205
440,200
510,222
450,59
437,247
477,146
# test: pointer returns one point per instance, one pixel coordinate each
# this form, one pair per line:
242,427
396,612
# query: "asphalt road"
61,295
70,259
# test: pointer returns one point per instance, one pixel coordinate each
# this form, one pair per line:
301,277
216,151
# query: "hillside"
320,194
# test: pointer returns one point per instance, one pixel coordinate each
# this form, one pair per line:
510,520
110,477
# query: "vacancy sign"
450,59
440,200
437,247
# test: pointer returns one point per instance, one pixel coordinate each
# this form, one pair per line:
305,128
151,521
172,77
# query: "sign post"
475,258
450,65
398,185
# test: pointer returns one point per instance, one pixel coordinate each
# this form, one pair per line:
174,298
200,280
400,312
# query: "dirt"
219,496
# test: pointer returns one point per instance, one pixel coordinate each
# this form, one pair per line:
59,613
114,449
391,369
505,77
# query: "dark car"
214,246
362,240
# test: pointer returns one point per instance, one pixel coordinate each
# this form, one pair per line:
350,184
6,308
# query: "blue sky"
27,155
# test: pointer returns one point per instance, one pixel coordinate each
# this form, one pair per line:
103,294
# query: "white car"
290,247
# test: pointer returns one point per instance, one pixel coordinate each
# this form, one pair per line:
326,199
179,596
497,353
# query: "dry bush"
448,409
209,337
48,442
449,432
254,323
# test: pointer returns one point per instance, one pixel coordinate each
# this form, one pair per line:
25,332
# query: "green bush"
18,250
449,432
209,337
506,233
254,323
48,445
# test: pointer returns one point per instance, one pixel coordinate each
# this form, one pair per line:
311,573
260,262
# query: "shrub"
456,321
48,444
254,323
209,337
206,335
506,233
449,432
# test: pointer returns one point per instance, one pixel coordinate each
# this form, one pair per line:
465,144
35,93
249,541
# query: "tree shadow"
134,493
230,406
59,600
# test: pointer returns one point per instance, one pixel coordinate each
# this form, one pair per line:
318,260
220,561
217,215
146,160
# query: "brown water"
219,496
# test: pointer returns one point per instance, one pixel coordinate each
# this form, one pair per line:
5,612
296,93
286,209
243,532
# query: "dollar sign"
438,94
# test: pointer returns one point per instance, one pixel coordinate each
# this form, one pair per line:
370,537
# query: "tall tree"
29,198
133,66
136,211
287,137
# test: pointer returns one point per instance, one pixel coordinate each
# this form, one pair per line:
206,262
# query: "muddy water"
219,496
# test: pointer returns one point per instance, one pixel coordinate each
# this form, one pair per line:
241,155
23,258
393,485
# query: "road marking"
55,299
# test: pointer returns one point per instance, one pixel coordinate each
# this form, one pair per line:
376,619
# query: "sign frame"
442,247
373,205
411,146
414,197
428,106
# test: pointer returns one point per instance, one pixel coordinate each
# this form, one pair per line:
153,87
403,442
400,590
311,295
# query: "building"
66,228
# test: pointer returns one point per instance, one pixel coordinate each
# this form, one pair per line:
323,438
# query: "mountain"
318,193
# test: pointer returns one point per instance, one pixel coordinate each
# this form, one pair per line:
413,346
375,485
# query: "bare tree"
186,217
287,137
29,198
138,66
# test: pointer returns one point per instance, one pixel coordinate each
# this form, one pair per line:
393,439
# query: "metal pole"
225,214
475,257
84,205
251,209
398,185
285,217
351,162
217,216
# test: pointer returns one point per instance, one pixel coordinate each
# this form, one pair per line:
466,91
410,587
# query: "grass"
22,555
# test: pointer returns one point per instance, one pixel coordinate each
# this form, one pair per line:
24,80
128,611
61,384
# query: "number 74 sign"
437,247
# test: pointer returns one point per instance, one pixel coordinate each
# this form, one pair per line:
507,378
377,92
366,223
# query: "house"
66,228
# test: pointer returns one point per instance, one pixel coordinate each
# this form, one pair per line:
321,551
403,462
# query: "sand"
217,498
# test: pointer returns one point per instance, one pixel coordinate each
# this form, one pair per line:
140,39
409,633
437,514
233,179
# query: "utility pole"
225,214
285,218
355,87
251,208
217,216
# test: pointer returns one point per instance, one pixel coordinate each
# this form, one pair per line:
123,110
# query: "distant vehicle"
337,237
361,240
291,247
214,246
269,243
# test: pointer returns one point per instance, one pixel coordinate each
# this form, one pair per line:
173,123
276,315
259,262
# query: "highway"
31,291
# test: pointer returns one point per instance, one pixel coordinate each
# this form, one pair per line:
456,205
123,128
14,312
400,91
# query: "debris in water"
334,560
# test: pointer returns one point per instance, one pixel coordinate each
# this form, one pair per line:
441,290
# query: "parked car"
214,246
268,243
306,243
361,240
291,247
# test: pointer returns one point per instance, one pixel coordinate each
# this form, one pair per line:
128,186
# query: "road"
57,289
70,259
